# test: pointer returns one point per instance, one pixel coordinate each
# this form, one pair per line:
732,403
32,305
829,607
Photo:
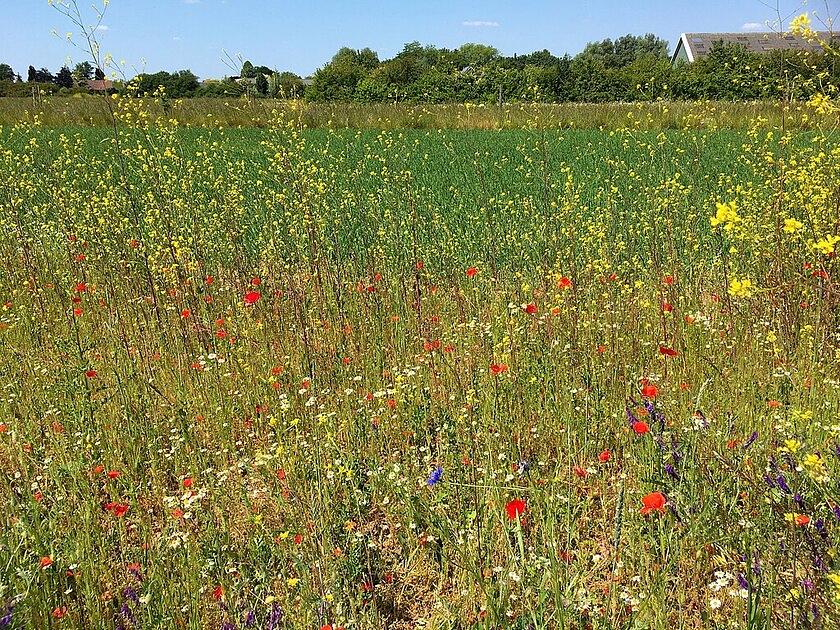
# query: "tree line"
630,68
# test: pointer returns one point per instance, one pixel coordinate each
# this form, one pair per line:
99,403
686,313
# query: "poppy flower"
667,352
252,297
649,390
801,520
185,313
641,427
114,474
472,272
580,471
188,482
45,562
119,509
531,309
498,368
564,283
218,592
667,307
604,456
91,373
653,502
668,279
515,508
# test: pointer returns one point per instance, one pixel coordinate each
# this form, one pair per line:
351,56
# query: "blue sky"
302,35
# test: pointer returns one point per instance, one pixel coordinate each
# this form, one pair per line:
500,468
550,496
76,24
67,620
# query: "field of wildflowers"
294,378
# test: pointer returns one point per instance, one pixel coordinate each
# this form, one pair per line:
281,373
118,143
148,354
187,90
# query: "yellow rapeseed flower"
726,215
740,288
792,225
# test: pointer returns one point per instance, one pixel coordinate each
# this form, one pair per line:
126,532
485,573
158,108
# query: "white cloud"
480,24
192,1
177,38
752,26
103,27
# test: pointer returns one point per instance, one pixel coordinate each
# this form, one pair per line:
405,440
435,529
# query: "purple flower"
227,625
753,437
836,511
799,500
780,480
250,619
275,617
435,477
742,581
125,611
669,469
6,620
130,593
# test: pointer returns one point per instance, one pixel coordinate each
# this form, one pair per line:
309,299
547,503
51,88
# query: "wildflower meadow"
537,377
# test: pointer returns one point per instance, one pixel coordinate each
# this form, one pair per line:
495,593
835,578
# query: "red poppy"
650,390
188,482
114,474
419,265
668,279
604,456
218,592
91,373
255,282
498,368
81,287
515,508
667,352
185,313
801,520
601,349
641,427
531,309
564,283
59,612
667,307
653,502
472,272
580,471
252,297
45,562
119,509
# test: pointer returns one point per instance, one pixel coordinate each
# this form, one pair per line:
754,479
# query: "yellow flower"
292,582
826,245
740,288
801,25
726,215
792,225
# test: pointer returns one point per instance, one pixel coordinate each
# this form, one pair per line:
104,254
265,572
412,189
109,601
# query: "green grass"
94,111
495,303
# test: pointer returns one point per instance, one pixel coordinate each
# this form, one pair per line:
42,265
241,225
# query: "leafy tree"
6,72
262,84
39,76
474,55
247,71
83,72
64,78
337,81
98,74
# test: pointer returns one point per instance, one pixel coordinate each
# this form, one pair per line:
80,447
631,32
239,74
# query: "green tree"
64,78
83,72
262,84
6,72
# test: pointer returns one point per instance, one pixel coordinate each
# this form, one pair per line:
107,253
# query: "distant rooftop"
694,46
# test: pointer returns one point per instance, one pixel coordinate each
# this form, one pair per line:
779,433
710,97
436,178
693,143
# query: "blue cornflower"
435,477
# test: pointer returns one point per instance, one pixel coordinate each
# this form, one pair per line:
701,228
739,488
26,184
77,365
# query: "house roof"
100,85
698,45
